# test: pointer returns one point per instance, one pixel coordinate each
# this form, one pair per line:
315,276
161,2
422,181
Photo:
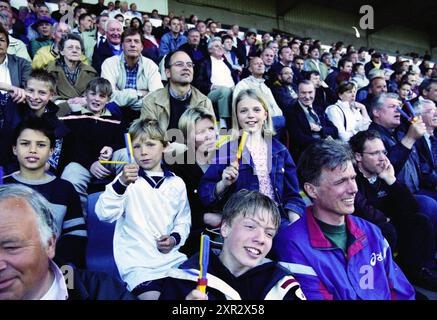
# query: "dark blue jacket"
282,174
282,95
100,54
405,161
300,130
428,165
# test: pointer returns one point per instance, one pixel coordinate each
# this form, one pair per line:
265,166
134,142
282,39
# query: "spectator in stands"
285,59
314,64
204,38
16,46
337,76
256,81
42,11
362,55
250,221
100,29
87,33
168,104
405,92
34,141
131,75
70,73
235,30
112,45
44,28
164,28
268,58
151,43
110,9
133,12
193,48
231,53
428,89
374,63
387,197
136,23
376,87
63,7
193,19
349,116
155,14
247,48
94,134
427,145
401,150
306,122
217,79
314,248
50,53
39,89
14,73
359,76
199,129
173,39
297,66
26,217
324,95
275,47
150,230
275,170
284,90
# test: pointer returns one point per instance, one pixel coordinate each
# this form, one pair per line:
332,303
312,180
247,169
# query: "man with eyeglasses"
131,75
401,149
168,104
386,202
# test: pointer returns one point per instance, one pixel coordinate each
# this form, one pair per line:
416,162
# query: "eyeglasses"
377,153
181,64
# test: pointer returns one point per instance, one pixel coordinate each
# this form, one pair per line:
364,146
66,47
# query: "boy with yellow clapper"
150,207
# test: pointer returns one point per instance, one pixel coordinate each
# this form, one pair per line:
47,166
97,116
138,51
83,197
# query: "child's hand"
229,175
196,295
17,94
99,171
165,243
130,174
106,153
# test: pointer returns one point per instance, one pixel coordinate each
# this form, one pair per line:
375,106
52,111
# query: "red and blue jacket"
366,272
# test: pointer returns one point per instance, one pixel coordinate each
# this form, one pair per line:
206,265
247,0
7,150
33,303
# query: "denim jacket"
282,175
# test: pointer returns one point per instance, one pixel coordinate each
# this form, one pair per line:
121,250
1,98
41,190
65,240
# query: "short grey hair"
112,20
46,224
418,106
379,101
326,154
212,40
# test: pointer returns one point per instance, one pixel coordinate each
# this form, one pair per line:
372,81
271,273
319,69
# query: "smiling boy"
240,271
153,215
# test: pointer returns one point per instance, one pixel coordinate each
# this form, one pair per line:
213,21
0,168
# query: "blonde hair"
191,116
147,129
267,128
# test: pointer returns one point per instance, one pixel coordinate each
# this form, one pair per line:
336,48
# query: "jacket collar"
319,241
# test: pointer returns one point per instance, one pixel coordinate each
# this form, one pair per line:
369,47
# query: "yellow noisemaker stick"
241,146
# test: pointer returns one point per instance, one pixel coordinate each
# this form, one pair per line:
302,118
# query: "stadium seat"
99,255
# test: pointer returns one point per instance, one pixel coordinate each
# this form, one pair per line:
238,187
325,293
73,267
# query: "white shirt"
355,122
220,73
5,76
253,83
58,289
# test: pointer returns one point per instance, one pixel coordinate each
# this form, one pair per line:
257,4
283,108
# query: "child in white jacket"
151,208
